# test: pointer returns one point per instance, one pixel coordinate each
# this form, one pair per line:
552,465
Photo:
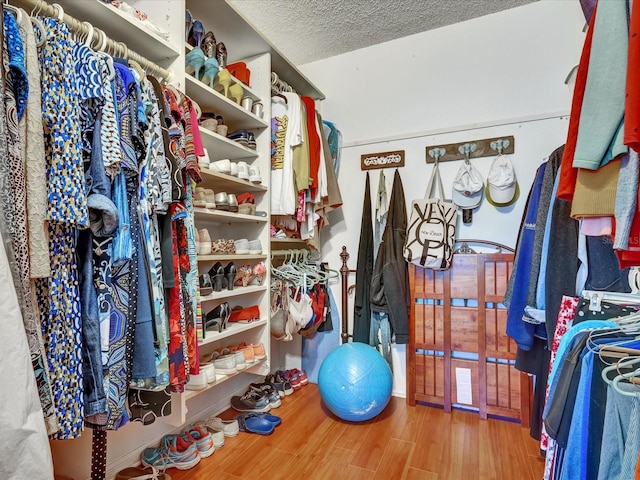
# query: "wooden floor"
403,442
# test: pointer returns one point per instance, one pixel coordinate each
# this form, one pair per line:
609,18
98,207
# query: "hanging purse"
432,228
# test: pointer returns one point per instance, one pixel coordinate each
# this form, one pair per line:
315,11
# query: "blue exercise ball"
355,382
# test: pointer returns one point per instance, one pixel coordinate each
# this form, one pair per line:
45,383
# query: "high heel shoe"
235,93
196,32
205,285
223,81
216,273
221,54
211,70
194,62
216,318
230,273
188,22
208,44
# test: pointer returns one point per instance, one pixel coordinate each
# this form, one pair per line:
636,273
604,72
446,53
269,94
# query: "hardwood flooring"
403,442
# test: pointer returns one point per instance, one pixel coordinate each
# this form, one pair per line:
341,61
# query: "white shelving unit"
220,147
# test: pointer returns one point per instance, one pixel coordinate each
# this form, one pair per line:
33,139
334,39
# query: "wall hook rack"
467,150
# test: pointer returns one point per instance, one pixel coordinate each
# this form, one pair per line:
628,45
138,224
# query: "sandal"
137,473
255,424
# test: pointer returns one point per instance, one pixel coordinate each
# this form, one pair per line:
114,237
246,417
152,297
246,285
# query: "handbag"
431,234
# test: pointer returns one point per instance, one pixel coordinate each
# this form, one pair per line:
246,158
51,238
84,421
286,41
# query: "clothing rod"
108,44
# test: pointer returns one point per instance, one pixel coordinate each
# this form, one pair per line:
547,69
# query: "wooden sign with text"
370,161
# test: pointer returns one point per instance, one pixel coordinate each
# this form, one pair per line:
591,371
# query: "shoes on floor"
148,473
228,427
282,386
173,452
216,435
251,401
202,440
260,423
267,390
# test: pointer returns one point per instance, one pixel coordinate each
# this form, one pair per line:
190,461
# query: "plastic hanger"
17,12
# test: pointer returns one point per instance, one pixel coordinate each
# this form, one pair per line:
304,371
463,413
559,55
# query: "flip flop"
255,424
273,419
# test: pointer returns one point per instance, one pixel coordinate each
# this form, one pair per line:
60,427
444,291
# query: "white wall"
446,86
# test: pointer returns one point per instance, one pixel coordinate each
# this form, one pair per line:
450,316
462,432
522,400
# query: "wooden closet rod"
78,27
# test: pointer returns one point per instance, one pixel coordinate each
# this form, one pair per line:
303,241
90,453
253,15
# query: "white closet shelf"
122,27
210,100
244,41
288,242
228,183
233,293
230,258
231,330
254,368
226,217
220,147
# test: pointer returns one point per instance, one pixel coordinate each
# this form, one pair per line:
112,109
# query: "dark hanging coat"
390,282
364,272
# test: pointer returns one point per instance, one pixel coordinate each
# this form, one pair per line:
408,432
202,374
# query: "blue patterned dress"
58,296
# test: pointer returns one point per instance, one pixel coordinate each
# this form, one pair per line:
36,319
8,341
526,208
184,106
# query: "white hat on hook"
467,187
502,186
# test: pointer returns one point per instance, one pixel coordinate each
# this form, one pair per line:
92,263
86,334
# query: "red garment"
632,102
176,350
568,174
314,143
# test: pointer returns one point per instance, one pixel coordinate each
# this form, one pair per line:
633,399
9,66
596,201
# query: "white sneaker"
221,166
254,174
234,169
242,246
204,161
243,170
210,369
197,382
199,197
205,242
210,198
255,247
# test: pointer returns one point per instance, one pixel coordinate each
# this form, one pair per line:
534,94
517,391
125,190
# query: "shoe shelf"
179,407
210,100
244,41
230,257
220,147
232,329
233,293
287,242
122,27
188,394
212,215
228,183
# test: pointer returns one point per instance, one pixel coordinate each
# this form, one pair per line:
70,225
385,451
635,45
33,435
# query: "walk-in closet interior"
319,239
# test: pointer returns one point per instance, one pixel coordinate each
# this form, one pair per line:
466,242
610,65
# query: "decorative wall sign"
370,161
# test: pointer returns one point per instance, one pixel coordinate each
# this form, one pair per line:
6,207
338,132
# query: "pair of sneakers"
248,247
182,451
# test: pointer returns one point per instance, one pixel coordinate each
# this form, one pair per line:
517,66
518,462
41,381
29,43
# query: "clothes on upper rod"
115,274
304,186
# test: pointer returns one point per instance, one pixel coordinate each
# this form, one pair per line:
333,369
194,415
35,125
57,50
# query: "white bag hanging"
431,234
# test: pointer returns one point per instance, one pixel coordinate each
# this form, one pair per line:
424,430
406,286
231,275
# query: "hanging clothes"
390,282
364,272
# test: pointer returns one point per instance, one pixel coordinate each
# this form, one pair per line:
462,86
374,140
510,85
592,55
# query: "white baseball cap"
502,186
467,187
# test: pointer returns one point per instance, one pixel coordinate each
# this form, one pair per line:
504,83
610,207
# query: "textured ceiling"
309,30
